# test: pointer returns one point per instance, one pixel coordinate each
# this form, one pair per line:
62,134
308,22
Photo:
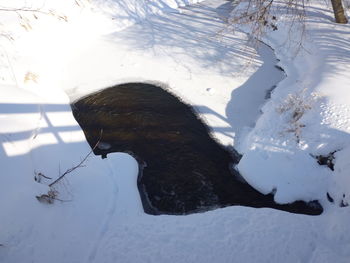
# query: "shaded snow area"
58,51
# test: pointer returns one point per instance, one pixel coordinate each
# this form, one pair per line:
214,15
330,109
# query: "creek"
182,168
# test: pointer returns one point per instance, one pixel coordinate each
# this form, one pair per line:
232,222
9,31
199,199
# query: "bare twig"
24,10
34,11
44,176
50,197
260,16
81,164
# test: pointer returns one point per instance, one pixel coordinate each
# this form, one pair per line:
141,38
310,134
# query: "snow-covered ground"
307,116
68,49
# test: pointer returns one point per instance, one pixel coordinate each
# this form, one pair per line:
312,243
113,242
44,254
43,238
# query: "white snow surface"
68,49
307,116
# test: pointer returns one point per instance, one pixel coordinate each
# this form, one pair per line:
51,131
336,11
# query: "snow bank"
307,116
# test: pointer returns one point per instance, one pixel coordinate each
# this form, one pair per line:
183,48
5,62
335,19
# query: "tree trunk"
339,12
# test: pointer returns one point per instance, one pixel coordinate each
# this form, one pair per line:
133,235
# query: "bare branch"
34,11
81,164
22,10
263,15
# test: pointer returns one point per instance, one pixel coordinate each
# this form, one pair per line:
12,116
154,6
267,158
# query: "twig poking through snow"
52,194
79,164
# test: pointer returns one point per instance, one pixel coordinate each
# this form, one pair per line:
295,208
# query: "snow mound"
307,115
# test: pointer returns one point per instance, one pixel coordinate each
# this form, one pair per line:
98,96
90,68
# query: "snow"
316,87
84,46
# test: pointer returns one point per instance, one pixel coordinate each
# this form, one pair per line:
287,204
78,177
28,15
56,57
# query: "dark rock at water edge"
182,168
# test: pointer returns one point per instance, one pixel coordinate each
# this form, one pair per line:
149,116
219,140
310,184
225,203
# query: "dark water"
183,169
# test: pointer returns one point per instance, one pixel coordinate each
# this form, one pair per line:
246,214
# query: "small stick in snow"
81,164
51,195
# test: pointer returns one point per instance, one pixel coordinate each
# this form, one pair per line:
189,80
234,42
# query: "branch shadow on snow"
335,46
199,34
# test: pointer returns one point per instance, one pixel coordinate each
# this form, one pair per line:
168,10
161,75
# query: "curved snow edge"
297,122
